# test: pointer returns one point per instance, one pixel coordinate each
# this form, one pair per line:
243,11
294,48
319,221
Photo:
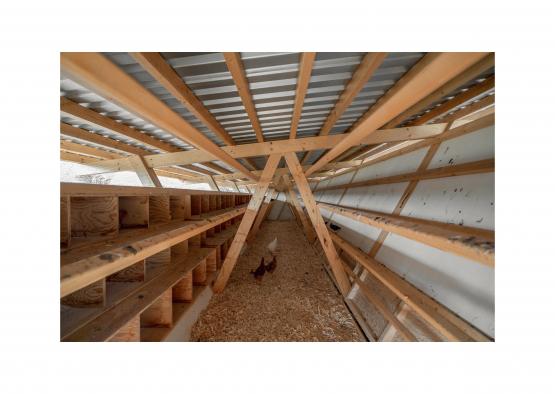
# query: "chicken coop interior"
277,196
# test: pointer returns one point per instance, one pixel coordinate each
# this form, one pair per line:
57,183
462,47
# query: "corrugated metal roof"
272,77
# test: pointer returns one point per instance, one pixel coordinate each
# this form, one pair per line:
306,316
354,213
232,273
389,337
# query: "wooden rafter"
318,222
283,146
367,67
270,195
303,78
155,64
437,69
411,146
146,175
475,167
235,66
246,223
470,74
104,77
308,230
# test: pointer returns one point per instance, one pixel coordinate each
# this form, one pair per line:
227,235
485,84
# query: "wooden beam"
69,146
155,65
212,183
80,269
476,90
235,66
246,224
442,319
475,167
146,175
471,73
318,222
453,239
438,68
104,77
305,70
367,67
476,106
262,214
296,145
308,230
411,146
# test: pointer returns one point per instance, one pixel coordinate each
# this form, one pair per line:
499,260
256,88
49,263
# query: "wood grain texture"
159,209
306,62
182,291
131,332
91,296
133,211
65,222
94,216
133,273
159,313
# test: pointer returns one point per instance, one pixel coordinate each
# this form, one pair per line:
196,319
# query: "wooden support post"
246,223
318,222
146,174
309,231
262,214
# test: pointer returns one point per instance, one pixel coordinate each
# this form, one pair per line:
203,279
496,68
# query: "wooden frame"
303,79
101,75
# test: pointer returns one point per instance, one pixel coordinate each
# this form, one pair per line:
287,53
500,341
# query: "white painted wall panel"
462,285
479,145
395,166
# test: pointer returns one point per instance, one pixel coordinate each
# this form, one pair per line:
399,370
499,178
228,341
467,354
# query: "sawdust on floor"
297,302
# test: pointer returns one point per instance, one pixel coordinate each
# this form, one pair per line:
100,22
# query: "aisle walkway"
297,302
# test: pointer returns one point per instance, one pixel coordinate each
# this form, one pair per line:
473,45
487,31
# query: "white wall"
464,286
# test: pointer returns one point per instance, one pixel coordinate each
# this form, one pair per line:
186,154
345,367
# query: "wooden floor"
297,302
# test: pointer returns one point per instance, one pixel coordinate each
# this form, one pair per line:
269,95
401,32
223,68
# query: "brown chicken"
260,271
272,266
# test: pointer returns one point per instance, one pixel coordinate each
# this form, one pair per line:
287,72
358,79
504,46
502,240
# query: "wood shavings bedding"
297,302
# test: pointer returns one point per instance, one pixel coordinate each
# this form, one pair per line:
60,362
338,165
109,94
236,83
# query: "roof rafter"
237,70
104,77
434,70
305,70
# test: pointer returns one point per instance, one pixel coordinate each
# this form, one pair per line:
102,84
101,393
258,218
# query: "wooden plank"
180,207
92,190
199,274
97,72
438,69
182,291
91,296
112,318
455,83
262,214
318,222
155,65
449,239
159,313
475,167
131,332
65,222
411,146
368,65
133,211
461,98
446,322
81,268
308,230
235,66
69,146
246,224
303,78
159,209
133,273
146,175
93,216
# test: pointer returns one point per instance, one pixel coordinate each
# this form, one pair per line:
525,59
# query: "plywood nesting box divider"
195,206
199,274
180,207
159,313
131,332
133,212
133,273
65,225
183,290
92,217
91,296
159,209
